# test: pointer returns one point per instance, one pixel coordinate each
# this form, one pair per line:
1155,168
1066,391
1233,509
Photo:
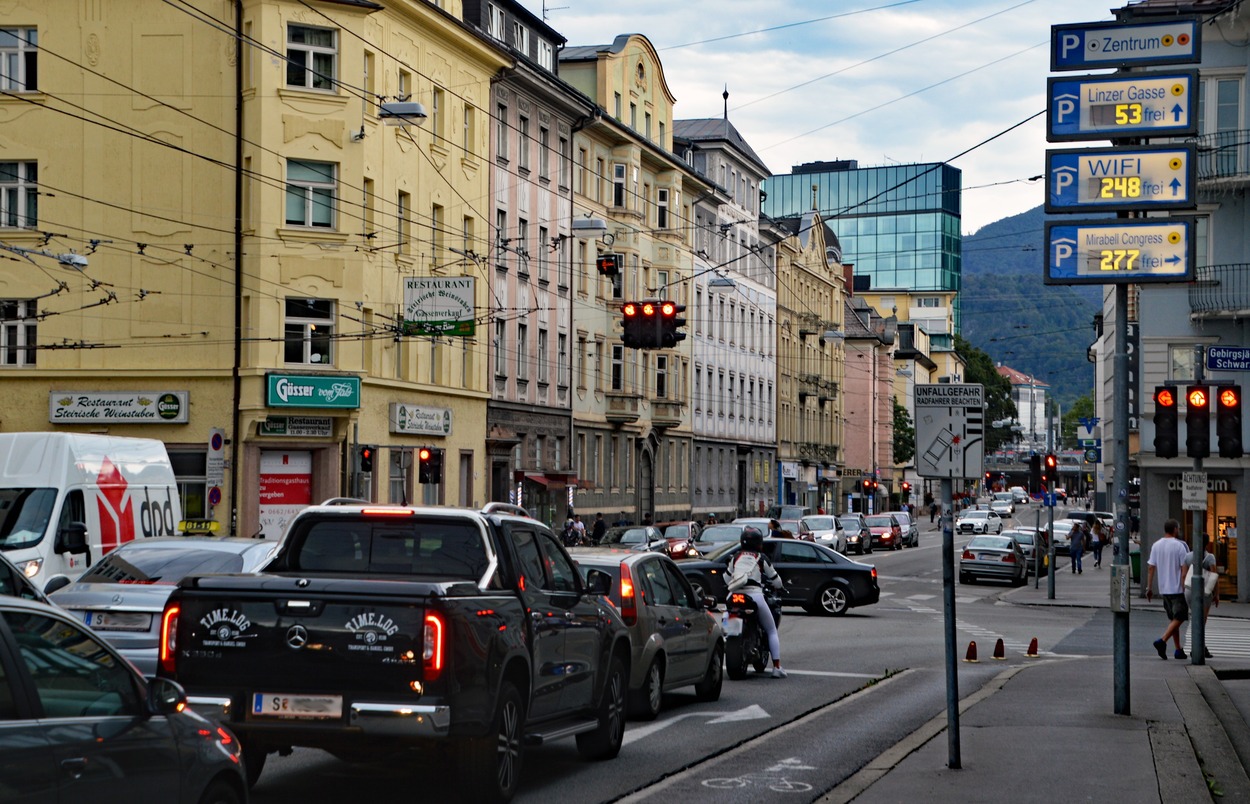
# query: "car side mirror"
709,603
59,582
598,582
72,539
165,696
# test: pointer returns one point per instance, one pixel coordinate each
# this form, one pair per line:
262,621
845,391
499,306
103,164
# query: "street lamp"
402,113
721,284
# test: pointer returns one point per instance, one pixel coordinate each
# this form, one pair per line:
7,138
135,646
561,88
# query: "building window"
523,144
562,359
501,131
404,90
18,67
523,247
579,173
543,372
618,185
19,195
618,367
600,177
646,119
501,236
17,332
565,155
437,232
544,153
404,204
310,193
1181,363
581,362
401,474
617,105
308,331
310,54
546,56
501,348
661,208
436,114
541,251
633,116
469,133
662,133
521,38
661,376
522,352
661,284
494,21
191,474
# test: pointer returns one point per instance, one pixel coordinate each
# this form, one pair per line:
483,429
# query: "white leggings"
766,619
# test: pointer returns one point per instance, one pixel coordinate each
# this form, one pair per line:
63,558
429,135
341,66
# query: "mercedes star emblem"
296,637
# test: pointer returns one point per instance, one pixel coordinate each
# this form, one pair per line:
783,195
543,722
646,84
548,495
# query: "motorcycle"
746,644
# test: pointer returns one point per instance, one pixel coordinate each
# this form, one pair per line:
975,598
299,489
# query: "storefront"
1161,493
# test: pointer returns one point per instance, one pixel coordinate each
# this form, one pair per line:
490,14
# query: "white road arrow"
752,712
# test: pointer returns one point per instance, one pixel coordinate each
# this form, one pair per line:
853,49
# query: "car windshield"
721,533
1023,537
626,536
1003,495
677,531
161,565
24,515
975,515
1062,526
443,547
791,525
820,522
879,521
850,522
990,543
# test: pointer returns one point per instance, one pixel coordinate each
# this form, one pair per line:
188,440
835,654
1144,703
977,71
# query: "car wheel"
490,766
708,689
645,703
832,600
605,741
221,792
698,587
253,764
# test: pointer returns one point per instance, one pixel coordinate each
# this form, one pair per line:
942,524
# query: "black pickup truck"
380,627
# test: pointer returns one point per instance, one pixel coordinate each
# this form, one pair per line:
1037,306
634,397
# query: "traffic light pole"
948,598
1198,626
1120,622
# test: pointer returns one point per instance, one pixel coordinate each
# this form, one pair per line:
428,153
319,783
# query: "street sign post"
1112,179
950,430
1228,358
1102,45
1103,107
1119,251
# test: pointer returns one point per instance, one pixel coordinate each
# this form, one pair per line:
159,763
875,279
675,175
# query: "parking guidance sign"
1103,45
1119,251
1123,178
1101,107
950,430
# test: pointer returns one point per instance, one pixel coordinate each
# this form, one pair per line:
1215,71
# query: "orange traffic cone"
1000,651
972,652
1032,651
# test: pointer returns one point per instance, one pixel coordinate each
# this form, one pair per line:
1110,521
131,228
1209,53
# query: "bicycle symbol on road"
776,783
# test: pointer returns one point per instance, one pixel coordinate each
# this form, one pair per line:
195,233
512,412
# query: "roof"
717,129
591,52
1016,377
1155,7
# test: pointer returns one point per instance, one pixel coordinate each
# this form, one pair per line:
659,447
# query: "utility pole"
1119,445
1198,626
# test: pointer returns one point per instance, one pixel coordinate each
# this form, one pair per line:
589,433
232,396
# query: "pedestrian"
933,509
1076,546
600,528
1097,540
711,519
1164,564
646,519
580,528
1210,580
569,534
774,530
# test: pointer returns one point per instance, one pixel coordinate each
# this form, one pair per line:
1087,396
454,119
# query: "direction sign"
1113,252
1125,178
1228,358
1098,45
1102,107
950,430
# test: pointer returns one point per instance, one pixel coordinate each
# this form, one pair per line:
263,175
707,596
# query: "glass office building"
898,224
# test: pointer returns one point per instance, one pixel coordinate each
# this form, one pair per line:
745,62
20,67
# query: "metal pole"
1120,623
1198,627
1037,553
948,599
1050,528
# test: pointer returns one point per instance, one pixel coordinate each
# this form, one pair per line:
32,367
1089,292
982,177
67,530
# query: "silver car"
827,530
997,558
122,596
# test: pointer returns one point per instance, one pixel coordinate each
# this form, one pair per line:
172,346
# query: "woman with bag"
1210,581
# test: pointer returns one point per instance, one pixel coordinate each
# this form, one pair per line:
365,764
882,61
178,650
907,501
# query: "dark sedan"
820,580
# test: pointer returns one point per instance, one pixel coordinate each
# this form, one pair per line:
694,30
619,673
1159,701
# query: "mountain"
1008,313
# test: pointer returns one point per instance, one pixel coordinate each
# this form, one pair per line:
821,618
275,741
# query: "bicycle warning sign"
950,430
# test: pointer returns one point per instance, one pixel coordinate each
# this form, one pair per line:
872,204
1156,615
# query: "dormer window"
642,73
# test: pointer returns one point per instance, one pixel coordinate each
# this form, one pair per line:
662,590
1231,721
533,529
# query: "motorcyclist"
748,572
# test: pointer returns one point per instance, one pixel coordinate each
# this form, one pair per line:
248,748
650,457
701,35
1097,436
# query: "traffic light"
1052,468
988,480
1198,421
608,264
1035,471
423,464
639,326
1228,420
1166,441
670,322
364,457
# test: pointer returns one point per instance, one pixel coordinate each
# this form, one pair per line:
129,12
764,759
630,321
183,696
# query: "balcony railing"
1223,155
1221,291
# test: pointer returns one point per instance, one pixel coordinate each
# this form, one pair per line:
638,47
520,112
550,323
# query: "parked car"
979,522
911,533
827,530
713,537
676,642
1032,541
80,724
122,596
1061,534
681,537
817,578
886,531
858,536
996,558
14,583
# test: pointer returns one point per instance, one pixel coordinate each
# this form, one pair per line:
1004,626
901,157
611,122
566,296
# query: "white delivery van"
68,499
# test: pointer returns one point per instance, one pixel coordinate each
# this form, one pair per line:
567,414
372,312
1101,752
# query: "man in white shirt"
1166,556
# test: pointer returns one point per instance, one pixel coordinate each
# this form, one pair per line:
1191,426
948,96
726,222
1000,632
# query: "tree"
979,368
904,435
1082,408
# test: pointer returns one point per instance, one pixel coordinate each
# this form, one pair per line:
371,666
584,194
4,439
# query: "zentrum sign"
312,391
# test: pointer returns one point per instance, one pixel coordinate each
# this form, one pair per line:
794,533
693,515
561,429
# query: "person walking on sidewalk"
1097,540
1165,560
1076,546
1208,571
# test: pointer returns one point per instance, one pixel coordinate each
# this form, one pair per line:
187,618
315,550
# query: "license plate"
118,620
272,704
733,626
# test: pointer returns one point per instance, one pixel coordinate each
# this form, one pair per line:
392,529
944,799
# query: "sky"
877,81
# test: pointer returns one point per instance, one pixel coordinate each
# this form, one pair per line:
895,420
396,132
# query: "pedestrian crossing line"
921,597
887,594
1225,637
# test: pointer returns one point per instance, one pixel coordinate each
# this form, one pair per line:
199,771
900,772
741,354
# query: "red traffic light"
1165,398
1198,396
630,309
648,309
1229,397
668,309
906,486
423,454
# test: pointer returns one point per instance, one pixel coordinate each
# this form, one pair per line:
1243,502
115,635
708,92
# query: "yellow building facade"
234,284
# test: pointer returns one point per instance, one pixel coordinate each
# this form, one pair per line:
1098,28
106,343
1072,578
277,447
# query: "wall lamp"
402,113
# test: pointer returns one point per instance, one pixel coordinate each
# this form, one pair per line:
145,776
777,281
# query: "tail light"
738,597
967,555
432,646
629,604
169,637
874,573
1010,558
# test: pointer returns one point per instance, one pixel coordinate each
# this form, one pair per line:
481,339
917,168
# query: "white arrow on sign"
752,712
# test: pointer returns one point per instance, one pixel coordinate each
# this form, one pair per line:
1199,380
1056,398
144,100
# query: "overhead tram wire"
787,25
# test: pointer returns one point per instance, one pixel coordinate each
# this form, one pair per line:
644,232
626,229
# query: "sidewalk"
1044,730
